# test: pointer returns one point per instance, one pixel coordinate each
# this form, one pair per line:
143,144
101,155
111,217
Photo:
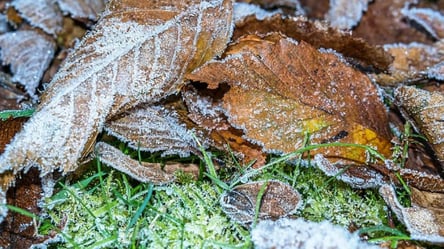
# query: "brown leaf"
425,110
316,93
278,200
29,54
430,20
137,53
41,13
319,35
345,14
82,8
425,219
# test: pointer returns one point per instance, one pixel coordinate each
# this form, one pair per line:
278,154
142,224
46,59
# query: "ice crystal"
344,14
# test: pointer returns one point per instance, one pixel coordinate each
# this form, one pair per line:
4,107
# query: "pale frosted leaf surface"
430,20
29,54
242,10
82,8
141,171
298,233
345,14
279,200
3,24
423,223
316,93
411,62
423,180
43,14
137,53
426,111
154,128
436,71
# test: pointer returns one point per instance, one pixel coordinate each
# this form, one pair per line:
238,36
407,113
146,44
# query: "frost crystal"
344,14
431,20
29,54
288,233
242,10
83,8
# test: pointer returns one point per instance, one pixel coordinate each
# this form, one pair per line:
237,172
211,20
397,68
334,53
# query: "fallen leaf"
319,35
298,233
425,111
278,200
424,220
316,93
345,14
40,13
430,20
82,8
137,53
29,54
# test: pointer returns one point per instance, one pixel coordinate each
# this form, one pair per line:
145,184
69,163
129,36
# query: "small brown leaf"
281,89
425,110
423,220
29,54
278,200
319,35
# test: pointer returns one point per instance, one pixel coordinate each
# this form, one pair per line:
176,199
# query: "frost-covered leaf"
29,54
436,71
287,233
154,128
412,62
319,35
82,8
425,219
137,53
281,89
345,14
3,24
426,111
43,14
242,10
430,20
278,200
142,171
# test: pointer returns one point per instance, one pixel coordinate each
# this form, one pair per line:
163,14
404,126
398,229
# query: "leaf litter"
266,103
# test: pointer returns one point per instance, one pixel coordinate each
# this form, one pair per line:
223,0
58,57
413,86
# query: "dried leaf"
423,180
89,9
316,93
141,171
278,200
287,233
425,223
430,20
243,10
137,53
40,13
9,128
345,14
411,62
319,35
29,54
426,111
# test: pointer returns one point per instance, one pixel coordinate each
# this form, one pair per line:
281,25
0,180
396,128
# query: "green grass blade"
4,115
141,208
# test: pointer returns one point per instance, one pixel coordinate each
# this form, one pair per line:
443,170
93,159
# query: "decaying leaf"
319,35
345,14
287,233
278,200
282,89
40,13
137,53
425,219
82,8
431,20
426,112
412,62
28,53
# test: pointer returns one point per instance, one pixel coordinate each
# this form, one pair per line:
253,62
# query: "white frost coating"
344,14
40,13
429,19
437,71
3,24
287,233
82,8
242,10
29,54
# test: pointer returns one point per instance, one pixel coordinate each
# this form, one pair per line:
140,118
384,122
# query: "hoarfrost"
288,233
344,14
242,10
430,20
436,71
82,8
40,13
3,24
29,54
